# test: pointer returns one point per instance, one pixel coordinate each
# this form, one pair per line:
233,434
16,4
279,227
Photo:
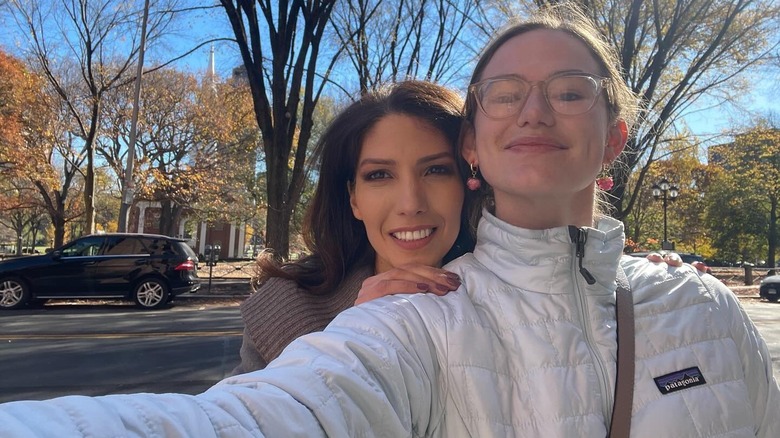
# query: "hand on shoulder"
673,259
408,279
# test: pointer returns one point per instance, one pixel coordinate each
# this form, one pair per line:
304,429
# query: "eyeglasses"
569,94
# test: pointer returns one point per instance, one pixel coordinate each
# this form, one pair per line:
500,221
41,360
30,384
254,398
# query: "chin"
420,260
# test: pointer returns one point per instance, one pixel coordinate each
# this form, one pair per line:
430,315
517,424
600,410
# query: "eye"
568,96
503,98
376,175
570,88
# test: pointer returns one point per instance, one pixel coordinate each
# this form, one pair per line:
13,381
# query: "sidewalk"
221,288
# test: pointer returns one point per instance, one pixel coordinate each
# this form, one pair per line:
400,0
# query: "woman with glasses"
527,345
547,111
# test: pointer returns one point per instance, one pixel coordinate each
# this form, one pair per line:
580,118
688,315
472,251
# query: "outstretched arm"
374,369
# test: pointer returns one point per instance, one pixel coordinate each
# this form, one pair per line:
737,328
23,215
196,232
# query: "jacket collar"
544,261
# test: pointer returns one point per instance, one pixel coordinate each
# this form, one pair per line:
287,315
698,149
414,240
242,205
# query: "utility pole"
128,188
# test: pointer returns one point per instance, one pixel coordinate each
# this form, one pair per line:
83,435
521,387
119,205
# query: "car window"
85,247
185,249
157,246
123,245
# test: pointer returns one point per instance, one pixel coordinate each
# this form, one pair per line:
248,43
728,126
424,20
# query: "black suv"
146,268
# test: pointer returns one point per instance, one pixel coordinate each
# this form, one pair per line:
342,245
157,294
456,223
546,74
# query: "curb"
221,288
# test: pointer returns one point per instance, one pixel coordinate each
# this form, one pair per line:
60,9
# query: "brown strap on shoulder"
624,386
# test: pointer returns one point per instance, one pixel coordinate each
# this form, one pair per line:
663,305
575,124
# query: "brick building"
232,238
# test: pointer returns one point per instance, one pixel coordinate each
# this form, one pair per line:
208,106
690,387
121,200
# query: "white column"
232,242
202,239
242,240
142,215
181,227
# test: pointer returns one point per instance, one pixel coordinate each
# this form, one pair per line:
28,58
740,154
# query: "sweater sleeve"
371,373
251,359
281,311
756,360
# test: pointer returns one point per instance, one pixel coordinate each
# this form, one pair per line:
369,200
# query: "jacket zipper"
579,237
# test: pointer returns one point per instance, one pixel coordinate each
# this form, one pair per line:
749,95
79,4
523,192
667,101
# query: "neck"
541,212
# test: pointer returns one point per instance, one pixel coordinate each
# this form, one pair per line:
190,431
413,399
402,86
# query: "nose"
535,109
412,197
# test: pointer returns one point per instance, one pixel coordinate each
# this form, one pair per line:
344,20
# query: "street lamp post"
667,192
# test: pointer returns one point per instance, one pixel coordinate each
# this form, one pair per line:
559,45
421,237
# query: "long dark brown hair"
338,242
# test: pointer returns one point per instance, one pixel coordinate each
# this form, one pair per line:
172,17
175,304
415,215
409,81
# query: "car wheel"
14,293
150,293
772,298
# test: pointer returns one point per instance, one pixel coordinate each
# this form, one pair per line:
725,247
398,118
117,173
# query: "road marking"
117,335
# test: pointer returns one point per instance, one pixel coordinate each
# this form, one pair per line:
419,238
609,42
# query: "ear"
352,202
616,140
468,144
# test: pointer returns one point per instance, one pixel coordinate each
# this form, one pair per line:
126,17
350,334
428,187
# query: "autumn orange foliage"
22,105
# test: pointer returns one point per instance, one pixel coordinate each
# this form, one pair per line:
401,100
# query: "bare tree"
394,40
59,179
101,38
58,159
280,46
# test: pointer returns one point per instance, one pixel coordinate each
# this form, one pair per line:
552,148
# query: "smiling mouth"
534,143
410,236
533,146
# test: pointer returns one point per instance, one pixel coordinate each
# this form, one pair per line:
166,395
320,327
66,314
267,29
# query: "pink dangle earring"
604,181
473,183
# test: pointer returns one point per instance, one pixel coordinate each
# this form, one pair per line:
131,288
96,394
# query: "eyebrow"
423,160
557,73
435,157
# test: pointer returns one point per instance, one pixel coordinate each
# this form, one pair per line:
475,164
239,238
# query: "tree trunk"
18,242
170,212
58,221
34,236
89,177
277,231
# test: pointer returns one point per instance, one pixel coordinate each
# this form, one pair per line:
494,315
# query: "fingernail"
452,275
423,286
442,287
454,281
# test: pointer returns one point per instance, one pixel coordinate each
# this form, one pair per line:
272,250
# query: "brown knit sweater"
281,311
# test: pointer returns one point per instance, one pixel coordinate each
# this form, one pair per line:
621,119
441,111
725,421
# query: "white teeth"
413,235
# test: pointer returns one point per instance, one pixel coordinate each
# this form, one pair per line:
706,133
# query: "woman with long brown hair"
374,158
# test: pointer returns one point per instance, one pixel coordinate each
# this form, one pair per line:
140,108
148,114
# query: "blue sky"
706,119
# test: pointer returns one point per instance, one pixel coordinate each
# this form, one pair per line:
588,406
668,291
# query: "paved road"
95,350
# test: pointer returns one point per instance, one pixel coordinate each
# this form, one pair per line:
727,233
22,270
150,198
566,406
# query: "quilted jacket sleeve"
757,363
372,372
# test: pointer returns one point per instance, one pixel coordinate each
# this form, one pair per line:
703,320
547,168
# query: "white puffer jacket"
526,348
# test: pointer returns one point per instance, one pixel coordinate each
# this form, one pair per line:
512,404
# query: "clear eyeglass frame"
584,82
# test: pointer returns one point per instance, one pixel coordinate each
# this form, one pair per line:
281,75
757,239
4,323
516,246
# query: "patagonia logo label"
687,378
